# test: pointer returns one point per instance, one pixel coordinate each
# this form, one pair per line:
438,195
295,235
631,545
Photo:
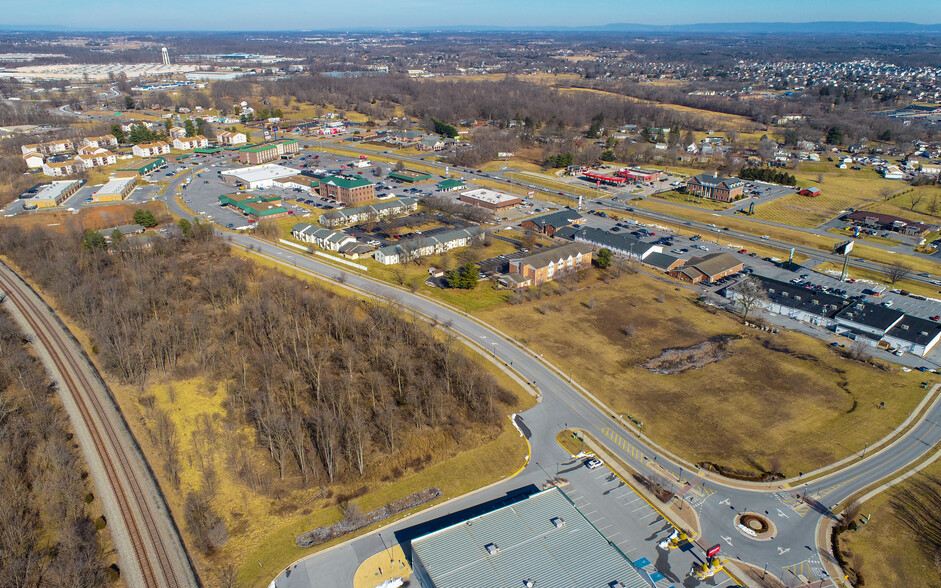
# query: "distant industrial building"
49,195
490,199
115,190
542,541
259,176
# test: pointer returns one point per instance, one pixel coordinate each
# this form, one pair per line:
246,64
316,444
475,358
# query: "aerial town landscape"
515,298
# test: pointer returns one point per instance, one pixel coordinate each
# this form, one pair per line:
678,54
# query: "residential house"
103,142
430,143
409,249
714,187
231,138
371,212
33,160
89,157
548,224
544,266
189,143
326,239
151,149
64,168
709,268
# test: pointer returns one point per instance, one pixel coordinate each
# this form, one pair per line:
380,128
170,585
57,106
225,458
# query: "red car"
936,318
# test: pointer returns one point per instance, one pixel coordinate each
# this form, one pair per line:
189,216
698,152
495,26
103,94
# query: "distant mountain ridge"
745,28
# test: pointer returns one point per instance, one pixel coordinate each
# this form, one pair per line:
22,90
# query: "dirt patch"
677,360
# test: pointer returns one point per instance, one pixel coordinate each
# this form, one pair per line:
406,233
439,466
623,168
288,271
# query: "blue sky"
320,14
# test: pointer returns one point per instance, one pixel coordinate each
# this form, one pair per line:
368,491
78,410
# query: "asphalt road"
796,508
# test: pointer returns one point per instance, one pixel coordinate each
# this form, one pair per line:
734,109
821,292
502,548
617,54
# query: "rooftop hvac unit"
557,522
492,548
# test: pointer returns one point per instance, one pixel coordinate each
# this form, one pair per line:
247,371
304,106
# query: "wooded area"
328,384
47,537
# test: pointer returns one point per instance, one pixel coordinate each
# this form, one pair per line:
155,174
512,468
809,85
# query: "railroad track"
153,546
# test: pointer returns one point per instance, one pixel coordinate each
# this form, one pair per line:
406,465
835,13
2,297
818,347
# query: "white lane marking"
783,550
781,514
727,540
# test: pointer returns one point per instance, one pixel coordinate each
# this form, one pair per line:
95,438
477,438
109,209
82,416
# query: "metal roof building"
542,541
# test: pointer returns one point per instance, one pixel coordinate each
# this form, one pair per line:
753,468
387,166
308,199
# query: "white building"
409,249
104,142
188,143
90,158
258,176
230,138
324,238
151,149
177,132
33,160
58,170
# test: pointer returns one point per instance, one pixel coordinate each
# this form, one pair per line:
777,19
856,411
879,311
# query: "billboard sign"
844,248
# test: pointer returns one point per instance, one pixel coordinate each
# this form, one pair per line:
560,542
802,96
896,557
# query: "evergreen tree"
190,128
145,218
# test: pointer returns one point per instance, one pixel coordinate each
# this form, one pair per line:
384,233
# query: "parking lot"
629,522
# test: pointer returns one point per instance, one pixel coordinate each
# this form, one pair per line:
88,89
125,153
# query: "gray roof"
800,298
717,181
543,538
661,260
420,242
616,242
915,330
125,229
871,315
566,233
556,219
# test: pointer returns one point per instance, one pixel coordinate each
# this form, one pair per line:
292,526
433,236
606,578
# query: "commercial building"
716,188
618,244
709,268
409,176
638,175
489,199
230,138
151,149
548,224
793,301
410,249
544,266
347,189
259,207
188,143
541,541
115,190
258,154
370,212
887,222
259,176
49,195
142,168
451,185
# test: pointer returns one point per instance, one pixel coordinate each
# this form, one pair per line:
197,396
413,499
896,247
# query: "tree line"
329,385
767,174
47,537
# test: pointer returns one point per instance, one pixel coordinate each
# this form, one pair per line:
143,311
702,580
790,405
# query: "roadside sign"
714,550
531,192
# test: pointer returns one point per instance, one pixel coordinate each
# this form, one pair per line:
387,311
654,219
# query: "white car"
594,463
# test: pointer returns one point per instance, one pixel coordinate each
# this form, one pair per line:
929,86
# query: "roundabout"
755,526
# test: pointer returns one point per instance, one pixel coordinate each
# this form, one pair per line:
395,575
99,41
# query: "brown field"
755,407
888,551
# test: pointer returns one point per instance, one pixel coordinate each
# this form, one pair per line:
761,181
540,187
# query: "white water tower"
165,55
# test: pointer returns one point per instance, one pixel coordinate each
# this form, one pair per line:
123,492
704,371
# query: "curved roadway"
796,508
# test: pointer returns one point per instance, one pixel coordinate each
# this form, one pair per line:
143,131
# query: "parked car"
594,463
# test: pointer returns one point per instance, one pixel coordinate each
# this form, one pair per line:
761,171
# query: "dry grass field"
887,549
756,407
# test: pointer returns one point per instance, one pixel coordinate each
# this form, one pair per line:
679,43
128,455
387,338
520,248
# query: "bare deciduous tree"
896,271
